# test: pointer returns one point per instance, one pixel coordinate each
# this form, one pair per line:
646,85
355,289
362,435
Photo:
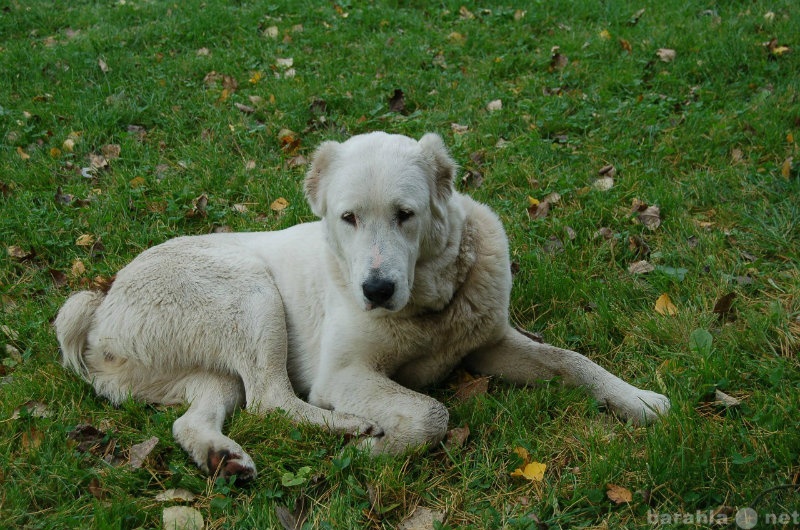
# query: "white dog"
401,281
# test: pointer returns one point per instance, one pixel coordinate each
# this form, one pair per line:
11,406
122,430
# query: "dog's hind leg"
212,398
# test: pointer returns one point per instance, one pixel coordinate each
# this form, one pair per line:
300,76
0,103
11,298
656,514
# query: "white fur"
402,280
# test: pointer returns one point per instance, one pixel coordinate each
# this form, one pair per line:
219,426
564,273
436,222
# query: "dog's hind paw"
642,407
223,463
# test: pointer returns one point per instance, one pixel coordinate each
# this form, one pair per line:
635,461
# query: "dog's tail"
72,324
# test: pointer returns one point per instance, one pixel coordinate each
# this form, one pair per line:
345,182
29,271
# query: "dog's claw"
226,464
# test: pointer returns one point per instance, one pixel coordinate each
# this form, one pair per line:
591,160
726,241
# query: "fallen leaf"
85,240
457,128
724,304
244,108
297,161
650,217
603,232
279,204
666,55
533,471
140,452
636,16
422,519
664,306
605,35
638,206
250,165
203,52
289,140
96,489
32,439
494,105
137,182
523,454
397,102
240,208
198,207
59,278
553,245
77,269
470,387
18,253
103,66
97,161
456,437
639,246
641,267
22,154
182,518
175,494
271,32
292,519
618,494
603,183
558,61
111,151
607,171
625,45
786,168
465,13
537,209
32,409
472,179
284,62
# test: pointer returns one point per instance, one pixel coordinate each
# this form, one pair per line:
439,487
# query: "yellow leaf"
664,306
786,168
55,152
256,77
523,454
22,154
532,201
789,138
86,240
137,182
605,35
533,472
279,204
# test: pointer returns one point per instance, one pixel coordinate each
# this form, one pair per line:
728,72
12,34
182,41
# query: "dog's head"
383,200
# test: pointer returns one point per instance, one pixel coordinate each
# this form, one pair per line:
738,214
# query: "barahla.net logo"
745,518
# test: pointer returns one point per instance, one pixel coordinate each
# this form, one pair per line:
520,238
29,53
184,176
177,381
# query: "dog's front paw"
642,407
223,463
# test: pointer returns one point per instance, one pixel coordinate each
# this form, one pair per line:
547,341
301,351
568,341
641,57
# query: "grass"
708,137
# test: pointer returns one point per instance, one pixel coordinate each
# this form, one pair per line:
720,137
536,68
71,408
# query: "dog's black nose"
377,290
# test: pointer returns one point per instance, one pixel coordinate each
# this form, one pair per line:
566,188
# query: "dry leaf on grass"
494,105
470,387
641,267
456,437
397,102
650,217
33,409
175,494
619,494
182,518
279,205
664,306
666,55
140,452
422,519
18,253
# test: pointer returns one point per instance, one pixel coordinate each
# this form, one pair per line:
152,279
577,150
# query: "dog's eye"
349,218
404,215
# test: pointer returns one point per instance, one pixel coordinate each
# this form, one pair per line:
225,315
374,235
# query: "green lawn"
201,112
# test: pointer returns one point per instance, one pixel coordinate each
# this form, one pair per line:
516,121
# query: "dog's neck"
438,279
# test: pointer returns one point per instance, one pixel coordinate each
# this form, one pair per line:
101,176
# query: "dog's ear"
444,167
314,183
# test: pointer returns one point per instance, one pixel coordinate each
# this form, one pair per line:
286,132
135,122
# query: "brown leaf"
294,519
289,140
198,207
639,246
607,171
140,451
618,494
724,304
85,240
18,253
625,45
59,278
32,439
279,205
470,387
554,245
96,489
397,103
111,151
664,306
638,206
456,437
538,210
604,233
558,61
296,161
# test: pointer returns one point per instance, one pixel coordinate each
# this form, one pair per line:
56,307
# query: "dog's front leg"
520,360
407,418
